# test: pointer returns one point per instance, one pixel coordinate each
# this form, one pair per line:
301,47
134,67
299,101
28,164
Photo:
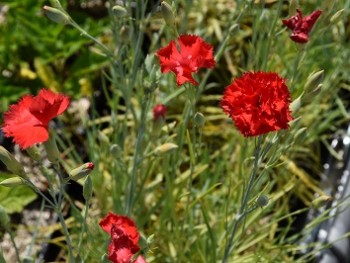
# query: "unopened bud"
159,111
165,148
296,104
125,34
12,182
233,28
199,119
103,138
119,11
337,16
34,153
81,171
87,189
321,200
262,200
293,4
11,163
313,81
115,150
167,13
4,218
51,149
56,15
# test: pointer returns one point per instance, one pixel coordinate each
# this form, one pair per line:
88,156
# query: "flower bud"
12,182
165,148
56,15
87,189
199,119
51,149
262,200
167,13
337,16
296,104
34,153
125,34
4,218
103,138
115,150
233,28
159,111
119,11
321,200
11,163
313,81
81,171
293,5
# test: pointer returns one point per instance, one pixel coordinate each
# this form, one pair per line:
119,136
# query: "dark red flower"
27,122
258,102
191,54
159,111
301,26
124,238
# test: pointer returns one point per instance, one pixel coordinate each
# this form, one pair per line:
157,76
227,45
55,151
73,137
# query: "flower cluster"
27,122
301,26
185,56
124,238
258,102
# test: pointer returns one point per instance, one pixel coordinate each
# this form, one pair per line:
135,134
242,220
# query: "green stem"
108,53
15,247
243,209
66,233
83,229
141,131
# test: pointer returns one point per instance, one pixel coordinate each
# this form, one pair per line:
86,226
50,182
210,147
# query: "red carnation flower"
124,238
258,102
301,26
27,122
193,54
159,111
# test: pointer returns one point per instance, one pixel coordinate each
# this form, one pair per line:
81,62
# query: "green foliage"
186,198
14,199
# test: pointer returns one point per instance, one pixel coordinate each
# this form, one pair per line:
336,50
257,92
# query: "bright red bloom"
124,238
27,122
191,54
159,111
258,102
301,26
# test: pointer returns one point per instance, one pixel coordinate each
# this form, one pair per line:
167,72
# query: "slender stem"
84,226
141,132
66,233
14,245
108,53
243,208
58,205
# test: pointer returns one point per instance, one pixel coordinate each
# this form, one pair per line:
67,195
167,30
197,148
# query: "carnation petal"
192,55
258,103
